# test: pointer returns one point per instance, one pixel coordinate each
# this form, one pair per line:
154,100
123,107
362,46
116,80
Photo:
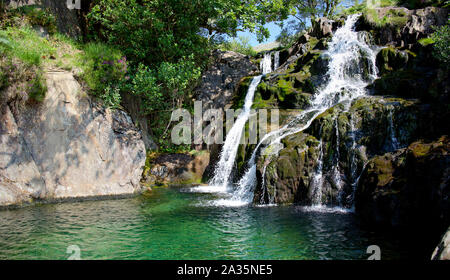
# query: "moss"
420,149
392,18
284,166
241,92
285,89
390,59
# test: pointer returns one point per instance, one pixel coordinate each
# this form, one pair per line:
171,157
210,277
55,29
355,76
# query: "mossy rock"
391,59
405,83
242,89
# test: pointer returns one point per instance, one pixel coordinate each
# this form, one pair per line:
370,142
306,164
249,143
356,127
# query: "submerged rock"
67,147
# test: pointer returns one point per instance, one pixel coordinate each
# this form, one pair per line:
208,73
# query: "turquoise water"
172,224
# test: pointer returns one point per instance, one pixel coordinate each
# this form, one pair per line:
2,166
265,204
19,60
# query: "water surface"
174,224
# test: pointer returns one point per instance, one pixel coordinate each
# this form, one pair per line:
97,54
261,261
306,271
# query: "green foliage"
25,44
149,31
36,87
441,39
103,66
25,82
165,87
111,97
145,85
240,45
426,41
38,16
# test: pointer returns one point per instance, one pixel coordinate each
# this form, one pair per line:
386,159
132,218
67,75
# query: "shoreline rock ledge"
66,147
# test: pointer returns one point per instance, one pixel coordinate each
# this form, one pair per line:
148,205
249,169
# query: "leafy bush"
103,66
38,16
165,87
148,31
111,97
441,39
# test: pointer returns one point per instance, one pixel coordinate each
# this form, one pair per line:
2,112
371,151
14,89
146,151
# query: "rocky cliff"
66,146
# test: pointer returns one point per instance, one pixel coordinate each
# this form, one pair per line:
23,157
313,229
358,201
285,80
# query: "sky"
274,30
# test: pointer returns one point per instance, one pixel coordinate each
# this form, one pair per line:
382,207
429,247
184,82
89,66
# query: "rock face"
442,251
408,186
341,140
220,81
67,147
406,26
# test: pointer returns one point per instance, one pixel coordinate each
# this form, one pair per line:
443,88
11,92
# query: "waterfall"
276,60
317,179
225,164
224,167
346,81
266,63
394,144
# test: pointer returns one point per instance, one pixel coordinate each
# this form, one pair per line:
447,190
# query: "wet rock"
174,169
351,134
323,27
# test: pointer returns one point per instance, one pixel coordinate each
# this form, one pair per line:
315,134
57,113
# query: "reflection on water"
171,225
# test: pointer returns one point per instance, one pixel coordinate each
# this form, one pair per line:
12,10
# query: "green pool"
174,224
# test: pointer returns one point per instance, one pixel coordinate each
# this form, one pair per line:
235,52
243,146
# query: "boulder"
324,27
175,169
401,27
67,146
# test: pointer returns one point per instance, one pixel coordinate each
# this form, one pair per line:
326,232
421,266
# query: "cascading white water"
266,63
224,167
225,164
345,82
276,60
317,179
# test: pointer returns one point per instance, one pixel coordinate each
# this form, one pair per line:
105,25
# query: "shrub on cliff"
441,39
